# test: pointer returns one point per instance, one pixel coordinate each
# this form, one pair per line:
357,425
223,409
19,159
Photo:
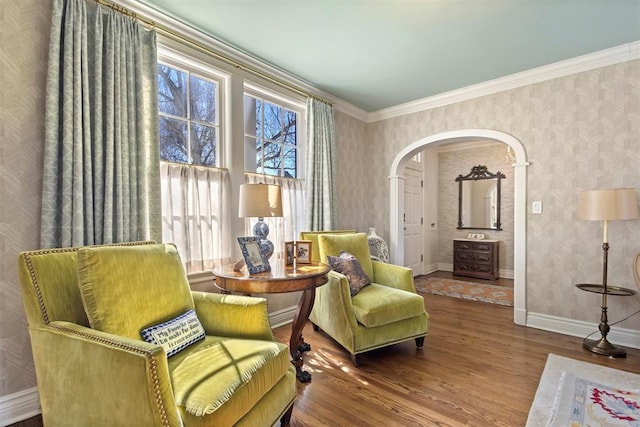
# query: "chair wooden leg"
419,342
286,418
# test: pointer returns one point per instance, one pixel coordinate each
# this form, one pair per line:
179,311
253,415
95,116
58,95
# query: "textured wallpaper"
24,37
580,132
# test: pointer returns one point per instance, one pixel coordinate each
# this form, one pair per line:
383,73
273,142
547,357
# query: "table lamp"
261,200
606,205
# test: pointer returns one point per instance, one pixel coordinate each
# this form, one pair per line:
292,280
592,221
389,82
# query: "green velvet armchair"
87,307
387,311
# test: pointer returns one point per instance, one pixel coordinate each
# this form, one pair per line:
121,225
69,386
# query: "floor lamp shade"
607,205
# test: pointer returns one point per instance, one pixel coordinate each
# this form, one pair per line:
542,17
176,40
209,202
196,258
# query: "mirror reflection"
479,199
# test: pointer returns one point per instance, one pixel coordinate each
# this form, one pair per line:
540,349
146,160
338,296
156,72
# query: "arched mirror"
479,199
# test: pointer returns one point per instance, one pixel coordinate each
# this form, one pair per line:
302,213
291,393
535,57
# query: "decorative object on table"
289,247
606,205
254,256
261,200
377,246
576,393
478,236
303,251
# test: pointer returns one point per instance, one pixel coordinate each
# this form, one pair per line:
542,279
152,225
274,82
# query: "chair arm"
394,276
233,315
333,301
98,376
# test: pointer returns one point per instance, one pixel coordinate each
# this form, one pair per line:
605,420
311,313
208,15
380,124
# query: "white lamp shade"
606,205
260,200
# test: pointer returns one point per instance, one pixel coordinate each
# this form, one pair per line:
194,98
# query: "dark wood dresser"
476,258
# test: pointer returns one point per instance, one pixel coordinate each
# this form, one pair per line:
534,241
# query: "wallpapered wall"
454,163
24,32
580,132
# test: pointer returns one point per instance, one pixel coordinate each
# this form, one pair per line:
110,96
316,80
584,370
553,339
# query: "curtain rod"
176,36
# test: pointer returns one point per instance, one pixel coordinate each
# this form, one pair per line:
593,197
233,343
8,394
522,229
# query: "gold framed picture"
288,253
303,251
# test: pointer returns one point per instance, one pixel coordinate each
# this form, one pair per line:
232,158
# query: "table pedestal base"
297,345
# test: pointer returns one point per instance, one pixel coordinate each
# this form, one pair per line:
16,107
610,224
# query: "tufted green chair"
86,307
387,311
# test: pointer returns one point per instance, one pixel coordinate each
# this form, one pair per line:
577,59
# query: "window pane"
272,156
290,127
273,122
258,155
203,100
172,91
289,162
203,144
173,140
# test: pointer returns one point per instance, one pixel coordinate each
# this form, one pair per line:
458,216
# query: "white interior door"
413,222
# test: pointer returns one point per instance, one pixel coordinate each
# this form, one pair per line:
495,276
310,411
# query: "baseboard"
445,267
619,336
282,317
19,406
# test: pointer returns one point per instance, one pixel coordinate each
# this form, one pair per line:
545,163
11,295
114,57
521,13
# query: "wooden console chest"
476,258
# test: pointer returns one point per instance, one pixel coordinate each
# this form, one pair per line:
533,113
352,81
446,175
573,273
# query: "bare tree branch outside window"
274,129
188,120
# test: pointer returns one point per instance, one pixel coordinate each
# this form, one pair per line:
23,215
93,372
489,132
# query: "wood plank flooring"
477,369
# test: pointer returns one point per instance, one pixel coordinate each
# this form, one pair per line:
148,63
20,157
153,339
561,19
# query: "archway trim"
396,185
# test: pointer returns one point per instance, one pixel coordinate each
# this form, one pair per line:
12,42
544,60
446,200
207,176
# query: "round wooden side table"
281,279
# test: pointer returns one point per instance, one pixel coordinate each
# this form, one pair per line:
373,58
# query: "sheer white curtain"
293,210
196,214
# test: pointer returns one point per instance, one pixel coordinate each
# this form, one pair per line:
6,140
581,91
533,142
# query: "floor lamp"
606,205
261,200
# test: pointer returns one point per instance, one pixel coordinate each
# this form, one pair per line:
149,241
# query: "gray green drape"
320,166
101,180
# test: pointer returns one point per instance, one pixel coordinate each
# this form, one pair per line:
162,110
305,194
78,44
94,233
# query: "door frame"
419,168
396,187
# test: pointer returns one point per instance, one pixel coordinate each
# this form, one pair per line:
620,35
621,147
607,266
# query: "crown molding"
602,58
615,55
219,46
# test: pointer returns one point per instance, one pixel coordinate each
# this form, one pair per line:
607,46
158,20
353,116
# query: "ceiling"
376,54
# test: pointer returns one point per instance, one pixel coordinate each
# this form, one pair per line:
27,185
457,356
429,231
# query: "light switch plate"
536,207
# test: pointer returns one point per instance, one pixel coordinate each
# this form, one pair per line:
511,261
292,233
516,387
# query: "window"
272,135
189,116
195,190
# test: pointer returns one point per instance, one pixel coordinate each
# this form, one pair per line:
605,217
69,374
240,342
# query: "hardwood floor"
476,369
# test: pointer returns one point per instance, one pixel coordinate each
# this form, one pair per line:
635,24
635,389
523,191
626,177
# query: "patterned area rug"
579,394
466,290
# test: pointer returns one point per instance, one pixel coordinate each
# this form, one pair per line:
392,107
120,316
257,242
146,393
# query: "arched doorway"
520,202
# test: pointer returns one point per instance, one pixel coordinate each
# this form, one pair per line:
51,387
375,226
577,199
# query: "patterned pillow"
176,334
349,265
